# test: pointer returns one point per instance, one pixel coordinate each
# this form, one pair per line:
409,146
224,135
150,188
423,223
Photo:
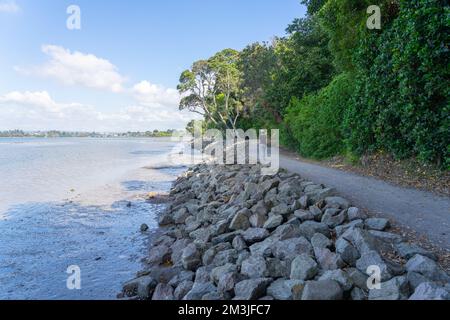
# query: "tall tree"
211,89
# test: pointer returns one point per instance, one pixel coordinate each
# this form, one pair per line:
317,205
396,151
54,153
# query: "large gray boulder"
199,289
290,248
273,222
251,289
240,220
379,224
182,289
163,292
340,277
253,235
142,287
426,267
309,228
191,257
322,290
395,289
430,291
281,289
303,267
347,251
254,267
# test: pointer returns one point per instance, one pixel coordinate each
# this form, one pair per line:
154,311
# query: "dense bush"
316,120
401,101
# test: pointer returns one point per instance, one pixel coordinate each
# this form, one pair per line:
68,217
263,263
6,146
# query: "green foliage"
401,101
316,120
334,87
345,21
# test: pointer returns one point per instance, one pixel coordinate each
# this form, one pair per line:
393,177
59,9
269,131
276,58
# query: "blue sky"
120,71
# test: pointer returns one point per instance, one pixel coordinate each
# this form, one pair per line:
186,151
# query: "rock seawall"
231,233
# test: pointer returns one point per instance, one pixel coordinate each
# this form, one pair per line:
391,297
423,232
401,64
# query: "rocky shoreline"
230,233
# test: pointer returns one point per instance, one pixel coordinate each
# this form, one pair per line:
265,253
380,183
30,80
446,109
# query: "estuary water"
77,202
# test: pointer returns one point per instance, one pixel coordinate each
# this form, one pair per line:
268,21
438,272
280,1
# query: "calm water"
67,202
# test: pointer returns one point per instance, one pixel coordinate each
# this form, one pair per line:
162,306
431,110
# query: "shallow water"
77,202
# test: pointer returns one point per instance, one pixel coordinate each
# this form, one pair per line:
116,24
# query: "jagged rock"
257,220
255,267
320,241
372,258
378,224
253,235
362,240
240,220
281,209
226,237
251,289
286,231
273,222
226,256
430,291
181,277
309,228
319,194
199,289
263,248
239,243
426,267
328,260
281,289
202,235
217,272
144,227
303,267
159,254
142,287
203,274
163,292
358,278
316,212
290,248
407,251
180,216
304,215
322,290
334,217
260,209
190,258
340,230
267,185
165,219
182,289
177,250
415,279
227,282
354,213
340,277
277,268
347,251
212,296
337,202
394,289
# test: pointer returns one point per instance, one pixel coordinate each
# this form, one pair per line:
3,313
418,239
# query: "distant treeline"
62,134
334,87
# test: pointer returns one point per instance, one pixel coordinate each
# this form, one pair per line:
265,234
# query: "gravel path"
426,213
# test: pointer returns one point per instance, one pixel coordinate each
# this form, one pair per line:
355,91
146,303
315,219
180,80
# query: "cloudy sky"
120,71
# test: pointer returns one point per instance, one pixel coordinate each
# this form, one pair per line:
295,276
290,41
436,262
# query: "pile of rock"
231,233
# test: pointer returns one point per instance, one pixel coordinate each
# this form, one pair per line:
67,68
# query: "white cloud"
9,7
153,95
39,111
150,106
77,68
